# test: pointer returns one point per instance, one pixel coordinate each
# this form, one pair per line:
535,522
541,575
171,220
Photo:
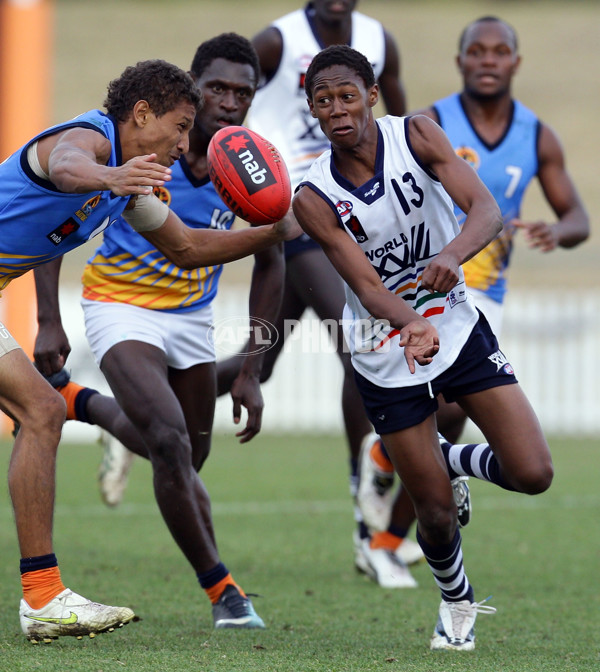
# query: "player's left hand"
245,392
538,234
421,343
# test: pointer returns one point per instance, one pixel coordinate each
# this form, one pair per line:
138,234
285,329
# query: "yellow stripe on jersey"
157,285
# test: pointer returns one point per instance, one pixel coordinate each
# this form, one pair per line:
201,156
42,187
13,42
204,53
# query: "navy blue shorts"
479,366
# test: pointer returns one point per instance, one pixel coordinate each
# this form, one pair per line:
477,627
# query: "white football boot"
455,629
72,615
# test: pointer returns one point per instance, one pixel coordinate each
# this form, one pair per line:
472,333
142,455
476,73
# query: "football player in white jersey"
279,112
508,145
413,330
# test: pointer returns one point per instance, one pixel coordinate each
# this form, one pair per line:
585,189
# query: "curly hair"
339,54
230,46
163,85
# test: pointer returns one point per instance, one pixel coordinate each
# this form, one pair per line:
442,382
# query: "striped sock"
473,459
446,564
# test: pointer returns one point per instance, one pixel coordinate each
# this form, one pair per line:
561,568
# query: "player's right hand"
138,176
421,343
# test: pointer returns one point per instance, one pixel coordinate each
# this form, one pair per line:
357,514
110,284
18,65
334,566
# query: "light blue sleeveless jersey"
506,168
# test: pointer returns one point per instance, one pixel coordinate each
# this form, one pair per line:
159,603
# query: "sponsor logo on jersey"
163,194
401,252
62,231
343,208
86,209
372,191
356,229
248,162
469,155
457,295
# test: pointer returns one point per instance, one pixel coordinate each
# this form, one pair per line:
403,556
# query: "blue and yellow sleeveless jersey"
506,168
37,221
127,269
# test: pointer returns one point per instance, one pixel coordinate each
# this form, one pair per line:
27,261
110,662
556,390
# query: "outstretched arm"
193,248
573,226
418,337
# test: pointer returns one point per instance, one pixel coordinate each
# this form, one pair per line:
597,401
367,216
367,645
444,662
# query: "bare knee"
170,450
437,523
536,478
45,415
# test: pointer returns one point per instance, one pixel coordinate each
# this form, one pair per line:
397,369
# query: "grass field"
283,520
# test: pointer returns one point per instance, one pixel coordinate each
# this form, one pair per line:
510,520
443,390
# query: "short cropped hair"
488,19
163,85
230,46
339,54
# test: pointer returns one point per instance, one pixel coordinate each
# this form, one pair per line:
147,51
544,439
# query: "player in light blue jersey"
60,189
508,146
148,324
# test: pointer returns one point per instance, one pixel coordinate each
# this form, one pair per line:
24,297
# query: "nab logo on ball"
249,175
248,162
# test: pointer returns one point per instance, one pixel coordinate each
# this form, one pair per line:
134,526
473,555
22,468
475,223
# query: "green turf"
284,525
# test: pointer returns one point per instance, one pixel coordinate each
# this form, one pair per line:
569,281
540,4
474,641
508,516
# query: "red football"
249,175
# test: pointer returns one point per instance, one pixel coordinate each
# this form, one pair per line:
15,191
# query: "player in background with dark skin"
431,338
488,59
168,409
509,146
280,112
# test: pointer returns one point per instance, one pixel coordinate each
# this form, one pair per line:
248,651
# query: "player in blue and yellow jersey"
148,324
60,189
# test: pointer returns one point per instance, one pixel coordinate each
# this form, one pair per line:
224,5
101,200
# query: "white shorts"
491,309
183,337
